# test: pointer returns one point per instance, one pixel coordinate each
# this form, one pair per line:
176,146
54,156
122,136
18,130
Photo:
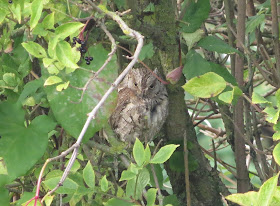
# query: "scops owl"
142,106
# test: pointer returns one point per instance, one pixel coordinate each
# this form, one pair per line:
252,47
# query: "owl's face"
143,83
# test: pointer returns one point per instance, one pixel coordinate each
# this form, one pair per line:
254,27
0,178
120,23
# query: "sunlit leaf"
205,86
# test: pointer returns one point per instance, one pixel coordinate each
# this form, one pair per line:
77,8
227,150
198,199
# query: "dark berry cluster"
88,60
82,49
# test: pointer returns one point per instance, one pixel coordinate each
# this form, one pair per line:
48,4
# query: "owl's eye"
152,86
135,84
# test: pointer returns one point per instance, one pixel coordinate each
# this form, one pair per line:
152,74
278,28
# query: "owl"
142,106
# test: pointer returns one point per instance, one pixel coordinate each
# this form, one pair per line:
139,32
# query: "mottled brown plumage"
142,106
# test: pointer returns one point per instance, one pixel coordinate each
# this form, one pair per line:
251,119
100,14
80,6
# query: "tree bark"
160,27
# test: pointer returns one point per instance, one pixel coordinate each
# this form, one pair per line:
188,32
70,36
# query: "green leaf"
138,152
36,11
267,191
127,175
205,86
212,43
249,198
20,146
104,184
16,10
69,186
197,12
68,29
150,8
30,88
272,114
171,200
34,49
151,196
163,154
64,54
194,61
47,62
147,51
147,154
89,175
118,202
277,95
192,38
276,153
135,188
229,96
4,197
258,99
52,80
48,22
10,79
253,22
63,86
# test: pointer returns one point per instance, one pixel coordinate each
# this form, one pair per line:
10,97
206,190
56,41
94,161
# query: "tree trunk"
159,27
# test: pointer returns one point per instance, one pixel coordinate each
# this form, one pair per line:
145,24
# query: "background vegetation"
222,130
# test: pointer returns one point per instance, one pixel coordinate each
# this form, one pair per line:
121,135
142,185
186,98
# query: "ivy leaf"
34,49
36,11
205,86
163,154
138,152
64,54
89,175
276,153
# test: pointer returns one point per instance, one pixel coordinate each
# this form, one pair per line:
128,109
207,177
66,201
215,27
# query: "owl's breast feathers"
139,116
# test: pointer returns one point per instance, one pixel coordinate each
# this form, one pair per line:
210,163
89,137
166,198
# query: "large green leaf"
20,146
215,44
249,198
72,116
267,191
276,153
68,29
69,185
65,54
205,86
163,154
36,11
195,65
196,13
34,49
